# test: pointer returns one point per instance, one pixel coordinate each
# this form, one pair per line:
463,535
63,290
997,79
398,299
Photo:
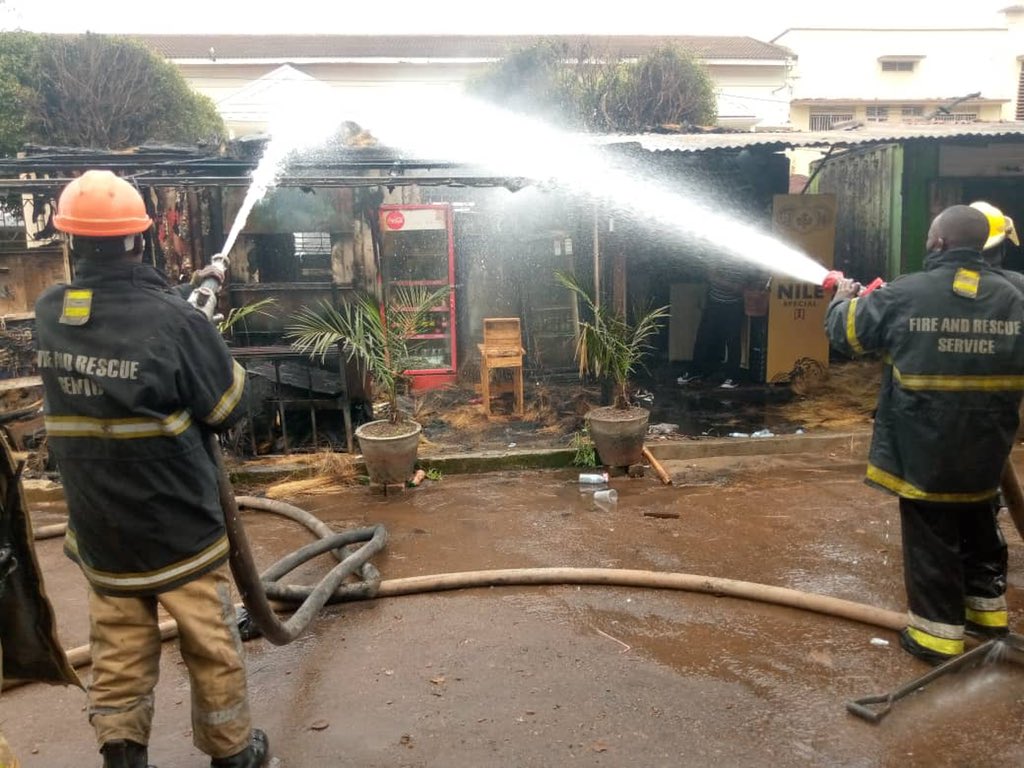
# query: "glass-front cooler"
417,250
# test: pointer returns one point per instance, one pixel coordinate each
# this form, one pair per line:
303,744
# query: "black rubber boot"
253,756
125,754
982,632
911,646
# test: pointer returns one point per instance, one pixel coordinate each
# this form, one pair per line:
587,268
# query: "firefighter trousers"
125,643
954,569
7,758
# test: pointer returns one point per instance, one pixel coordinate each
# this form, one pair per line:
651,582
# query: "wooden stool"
502,348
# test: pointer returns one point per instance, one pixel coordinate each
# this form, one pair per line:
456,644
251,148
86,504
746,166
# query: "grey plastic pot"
618,436
390,459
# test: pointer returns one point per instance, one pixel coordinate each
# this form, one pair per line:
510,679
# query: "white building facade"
245,74
846,76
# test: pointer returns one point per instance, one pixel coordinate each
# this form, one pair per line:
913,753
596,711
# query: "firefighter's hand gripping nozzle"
211,278
834,276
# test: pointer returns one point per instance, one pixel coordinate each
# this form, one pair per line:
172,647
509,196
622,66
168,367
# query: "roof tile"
436,46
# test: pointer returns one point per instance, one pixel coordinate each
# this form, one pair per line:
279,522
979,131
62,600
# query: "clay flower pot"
618,434
389,450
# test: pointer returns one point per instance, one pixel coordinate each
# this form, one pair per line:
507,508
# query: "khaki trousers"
125,642
7,758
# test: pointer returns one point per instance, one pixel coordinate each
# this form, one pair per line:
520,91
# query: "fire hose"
834,276
256,591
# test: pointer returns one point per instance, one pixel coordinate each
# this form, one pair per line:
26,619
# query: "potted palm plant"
611,345
381,337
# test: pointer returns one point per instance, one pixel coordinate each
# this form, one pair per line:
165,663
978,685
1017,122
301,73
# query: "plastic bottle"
593,478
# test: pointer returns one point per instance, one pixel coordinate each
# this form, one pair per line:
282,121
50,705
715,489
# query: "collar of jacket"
101,271
956,257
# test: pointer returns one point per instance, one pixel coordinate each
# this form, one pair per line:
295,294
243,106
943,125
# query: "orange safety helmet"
100,204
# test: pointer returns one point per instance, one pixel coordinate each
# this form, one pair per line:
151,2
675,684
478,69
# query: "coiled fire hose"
255,592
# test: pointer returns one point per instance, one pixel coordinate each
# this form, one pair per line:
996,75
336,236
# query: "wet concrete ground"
589,676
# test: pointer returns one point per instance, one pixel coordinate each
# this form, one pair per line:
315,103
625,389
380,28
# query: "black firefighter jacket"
133,376
948,407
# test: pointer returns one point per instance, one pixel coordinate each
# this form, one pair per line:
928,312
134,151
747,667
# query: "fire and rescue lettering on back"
93,367
965,325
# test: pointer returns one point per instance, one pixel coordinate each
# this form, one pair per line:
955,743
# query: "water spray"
517,146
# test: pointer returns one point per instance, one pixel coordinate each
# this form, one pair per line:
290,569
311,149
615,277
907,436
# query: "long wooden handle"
656,466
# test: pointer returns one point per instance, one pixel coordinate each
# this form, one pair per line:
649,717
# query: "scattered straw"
845,398
310,486
323,472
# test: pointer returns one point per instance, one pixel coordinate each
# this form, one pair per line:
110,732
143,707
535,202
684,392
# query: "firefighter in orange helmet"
133,378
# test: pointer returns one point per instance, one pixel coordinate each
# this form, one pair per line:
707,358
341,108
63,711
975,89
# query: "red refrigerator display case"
417,249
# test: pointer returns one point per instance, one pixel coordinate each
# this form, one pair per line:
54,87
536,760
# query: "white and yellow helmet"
1000,226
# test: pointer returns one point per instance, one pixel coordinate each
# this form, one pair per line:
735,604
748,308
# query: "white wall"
837,64
748,95
757,91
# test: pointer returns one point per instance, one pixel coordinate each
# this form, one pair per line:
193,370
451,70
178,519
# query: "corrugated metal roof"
873,134
438,46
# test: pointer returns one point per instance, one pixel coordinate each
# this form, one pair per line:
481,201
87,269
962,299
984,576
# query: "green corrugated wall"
920,169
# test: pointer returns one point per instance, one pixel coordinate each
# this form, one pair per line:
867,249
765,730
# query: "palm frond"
378,338
611,346
240,314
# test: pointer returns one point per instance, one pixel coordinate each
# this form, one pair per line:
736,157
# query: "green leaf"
377,336
610,346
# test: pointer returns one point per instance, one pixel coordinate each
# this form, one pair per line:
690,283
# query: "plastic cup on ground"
606,499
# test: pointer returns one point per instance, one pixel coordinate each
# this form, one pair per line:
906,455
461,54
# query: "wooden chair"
502,348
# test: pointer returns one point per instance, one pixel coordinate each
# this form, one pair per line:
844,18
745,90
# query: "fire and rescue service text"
966,325
92,367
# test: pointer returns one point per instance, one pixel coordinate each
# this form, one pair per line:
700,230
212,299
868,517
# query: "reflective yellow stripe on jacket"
851,328
118,429
138,582
945,383
230,399
901,487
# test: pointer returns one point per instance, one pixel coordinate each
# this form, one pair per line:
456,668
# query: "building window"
823,121
1020,94
898,66
956,117
875,114
313,251
911,111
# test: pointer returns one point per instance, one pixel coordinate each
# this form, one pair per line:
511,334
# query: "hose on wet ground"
611,577
371,587
257,590
512,577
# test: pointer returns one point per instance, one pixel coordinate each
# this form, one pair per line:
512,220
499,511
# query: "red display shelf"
417,241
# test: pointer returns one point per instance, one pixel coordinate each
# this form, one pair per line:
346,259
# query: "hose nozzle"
211,278
832,279
834,276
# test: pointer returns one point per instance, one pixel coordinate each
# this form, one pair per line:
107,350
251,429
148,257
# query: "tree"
582,87
667,87
96,91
